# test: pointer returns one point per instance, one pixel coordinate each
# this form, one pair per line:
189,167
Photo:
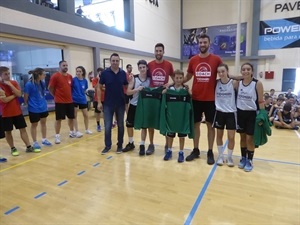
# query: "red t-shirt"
95,81
11,108
62,85
160,72
204,71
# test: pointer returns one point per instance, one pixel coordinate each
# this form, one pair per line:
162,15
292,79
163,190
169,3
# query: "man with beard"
204,69
60,86
160,70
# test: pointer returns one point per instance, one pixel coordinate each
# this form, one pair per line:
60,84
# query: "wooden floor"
72,183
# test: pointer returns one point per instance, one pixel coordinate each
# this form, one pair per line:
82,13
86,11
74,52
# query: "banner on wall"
223,40
277,34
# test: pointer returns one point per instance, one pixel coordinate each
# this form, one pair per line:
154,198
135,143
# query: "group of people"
69,97
284,109
230,102
225,103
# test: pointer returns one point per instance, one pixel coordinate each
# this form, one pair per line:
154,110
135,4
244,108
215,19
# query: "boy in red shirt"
12,113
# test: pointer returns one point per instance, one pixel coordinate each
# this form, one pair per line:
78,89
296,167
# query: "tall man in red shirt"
60,86
160,70
204,69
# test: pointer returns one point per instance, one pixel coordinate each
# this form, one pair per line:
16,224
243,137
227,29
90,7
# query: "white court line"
298,134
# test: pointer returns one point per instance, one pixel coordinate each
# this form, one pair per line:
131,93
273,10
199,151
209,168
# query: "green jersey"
148,108
176,114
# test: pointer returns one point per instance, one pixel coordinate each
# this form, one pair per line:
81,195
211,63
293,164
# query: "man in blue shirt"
113,80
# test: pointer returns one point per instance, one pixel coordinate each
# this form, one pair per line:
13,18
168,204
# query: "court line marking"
109,157
11,210
202,192
62,183
96,164
40,195
48,153
81,172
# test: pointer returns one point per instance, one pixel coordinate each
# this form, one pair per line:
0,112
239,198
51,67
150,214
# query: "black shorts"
130,116
223,119
81,106
64,109
127,98
17,121
35,117
2,133
95,105
208,108
246,121
172,135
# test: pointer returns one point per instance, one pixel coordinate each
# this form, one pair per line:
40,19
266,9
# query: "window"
108,12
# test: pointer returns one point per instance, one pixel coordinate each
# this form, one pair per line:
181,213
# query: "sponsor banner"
223,40
276,34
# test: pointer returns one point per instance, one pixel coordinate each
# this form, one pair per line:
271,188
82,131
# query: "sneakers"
210,158
220,161
168,155
32,149
78,134
128,147
119,150
242,163
249,166
142,150
150,150
75,134
99,128
46,143
105,150
36,145
88,132
194,154
3,160
180,157
230,162
14,152
57,139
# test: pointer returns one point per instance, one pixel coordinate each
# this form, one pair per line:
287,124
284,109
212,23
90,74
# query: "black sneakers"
194,154
150,150
128,147
210,158
142,150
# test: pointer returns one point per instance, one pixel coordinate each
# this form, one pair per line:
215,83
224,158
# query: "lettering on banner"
289,6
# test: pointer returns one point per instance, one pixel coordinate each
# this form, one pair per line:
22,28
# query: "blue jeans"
108,120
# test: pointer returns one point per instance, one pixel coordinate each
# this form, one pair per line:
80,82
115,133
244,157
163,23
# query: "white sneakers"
74,134
221,160
88,132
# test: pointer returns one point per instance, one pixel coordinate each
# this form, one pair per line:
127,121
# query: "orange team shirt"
62,87
11,108
95,81
204,71
160,72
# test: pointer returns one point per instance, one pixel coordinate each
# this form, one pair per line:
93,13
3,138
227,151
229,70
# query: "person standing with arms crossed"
114,79
204,69
60,86
160,70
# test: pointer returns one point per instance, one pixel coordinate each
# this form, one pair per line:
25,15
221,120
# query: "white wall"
152,24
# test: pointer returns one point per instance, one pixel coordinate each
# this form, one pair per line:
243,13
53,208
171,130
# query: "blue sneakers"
180,157
249,166
3,160
36,145
242,163
168,155
46,143
99,128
